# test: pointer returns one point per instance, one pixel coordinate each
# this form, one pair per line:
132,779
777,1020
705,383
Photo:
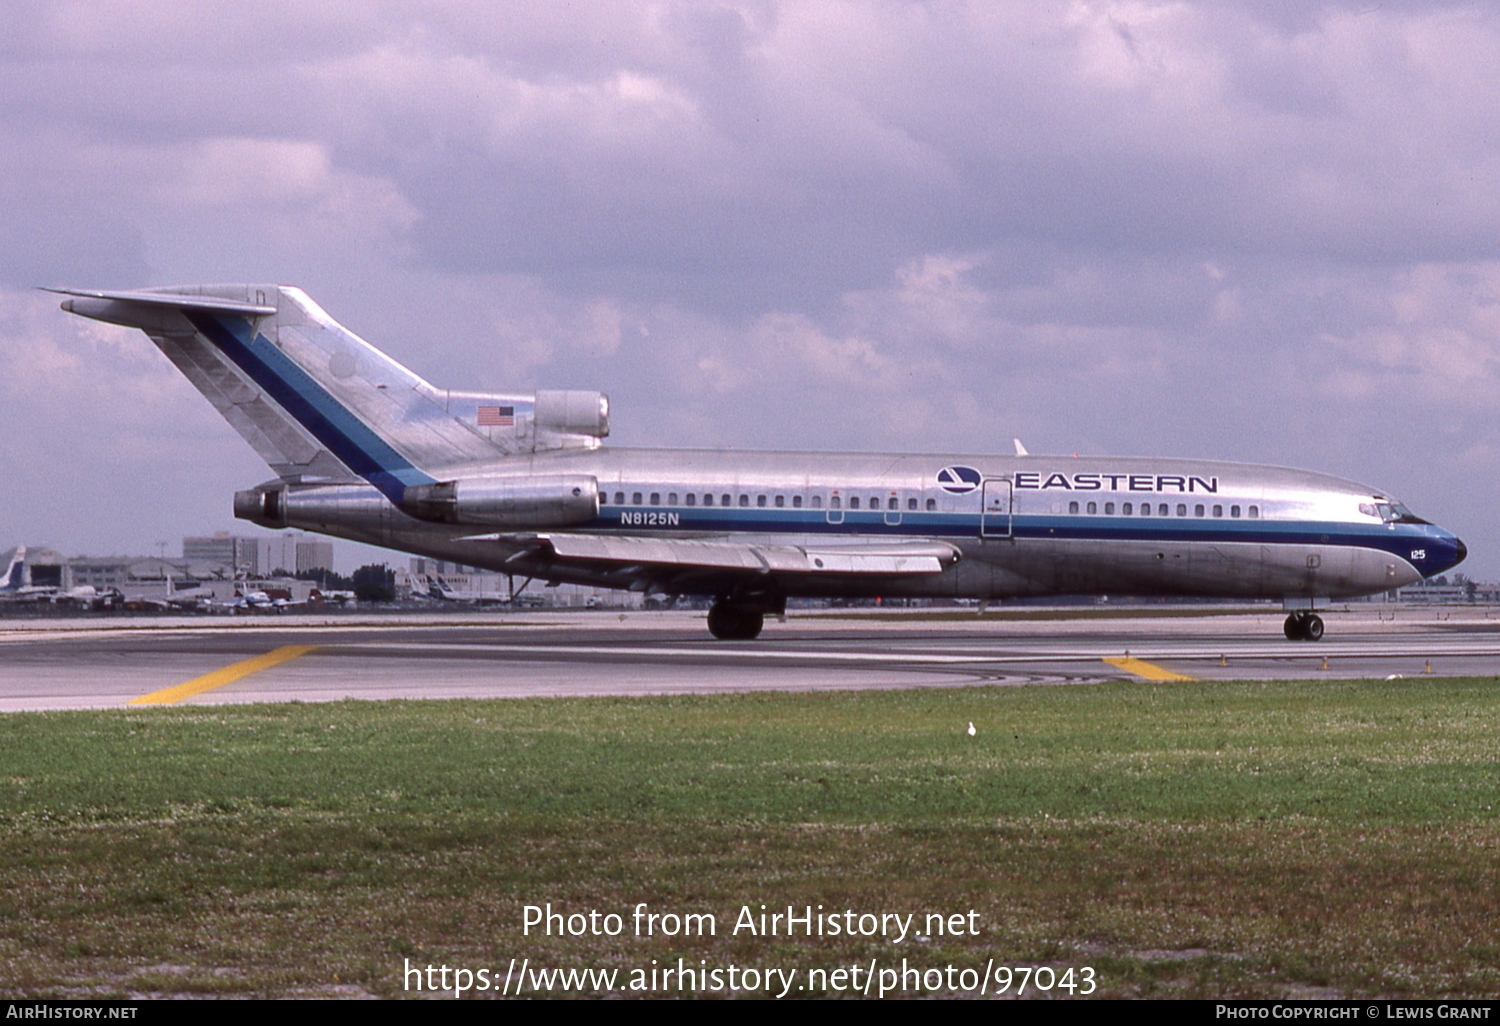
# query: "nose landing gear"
1303,626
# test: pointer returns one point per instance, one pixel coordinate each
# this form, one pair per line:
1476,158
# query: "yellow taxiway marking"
227,675
1141,668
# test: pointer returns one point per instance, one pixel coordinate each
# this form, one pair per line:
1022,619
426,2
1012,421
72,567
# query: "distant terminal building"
314,555
260,556
240,553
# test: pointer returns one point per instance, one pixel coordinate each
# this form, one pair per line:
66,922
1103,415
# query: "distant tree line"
374,582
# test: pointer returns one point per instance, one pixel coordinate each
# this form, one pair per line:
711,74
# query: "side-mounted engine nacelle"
333,507
510,502
513,502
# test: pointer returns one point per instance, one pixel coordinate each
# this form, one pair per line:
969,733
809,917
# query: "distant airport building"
238,552
45,569
313,554
260,556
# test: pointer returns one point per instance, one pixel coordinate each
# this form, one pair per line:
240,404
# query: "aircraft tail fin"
319,403
15,573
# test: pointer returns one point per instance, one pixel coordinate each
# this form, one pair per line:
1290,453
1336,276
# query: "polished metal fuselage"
1029,525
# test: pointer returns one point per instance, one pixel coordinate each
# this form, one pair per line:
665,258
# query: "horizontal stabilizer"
172,300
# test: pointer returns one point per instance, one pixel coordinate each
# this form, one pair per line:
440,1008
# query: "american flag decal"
497,416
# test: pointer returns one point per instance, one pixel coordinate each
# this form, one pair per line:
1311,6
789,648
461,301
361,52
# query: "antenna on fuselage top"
1020,449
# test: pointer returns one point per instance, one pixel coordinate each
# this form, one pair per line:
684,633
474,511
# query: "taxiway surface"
84,663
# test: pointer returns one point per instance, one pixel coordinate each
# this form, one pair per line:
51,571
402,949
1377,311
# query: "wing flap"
913,557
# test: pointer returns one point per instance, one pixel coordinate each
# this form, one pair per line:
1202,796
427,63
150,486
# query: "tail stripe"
324,417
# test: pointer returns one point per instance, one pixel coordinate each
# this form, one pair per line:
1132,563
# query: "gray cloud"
1260,231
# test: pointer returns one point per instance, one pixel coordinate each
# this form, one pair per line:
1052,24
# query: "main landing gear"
730,621
1304,626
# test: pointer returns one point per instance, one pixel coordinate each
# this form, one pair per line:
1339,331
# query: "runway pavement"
114,662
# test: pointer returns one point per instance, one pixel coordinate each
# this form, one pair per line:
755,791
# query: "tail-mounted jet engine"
512,502
525,503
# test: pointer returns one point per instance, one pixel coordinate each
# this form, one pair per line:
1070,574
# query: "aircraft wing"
737,557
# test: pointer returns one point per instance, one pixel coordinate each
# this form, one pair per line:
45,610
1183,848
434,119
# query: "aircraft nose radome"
1460,551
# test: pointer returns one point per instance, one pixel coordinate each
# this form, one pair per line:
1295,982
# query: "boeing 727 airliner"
366,450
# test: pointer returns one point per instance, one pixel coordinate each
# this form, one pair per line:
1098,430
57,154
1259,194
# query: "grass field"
1199,840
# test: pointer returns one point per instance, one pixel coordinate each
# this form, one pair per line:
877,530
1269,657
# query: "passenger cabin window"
619,498
911,503
1198,510
671,498
854,502
635,498
893,503
780,501
796,502
760,500
1218,510
1254,512
708,499
1109,509
744,500
833,503
1073,507
656,498
1127,509
1182,509
1093,507
692,499
931,505
817,502
1234,511
874,502
1163,510
723,500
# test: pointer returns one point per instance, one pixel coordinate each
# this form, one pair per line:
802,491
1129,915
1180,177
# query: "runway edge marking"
227,675
1141,668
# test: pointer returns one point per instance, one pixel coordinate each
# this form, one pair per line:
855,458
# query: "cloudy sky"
1261,231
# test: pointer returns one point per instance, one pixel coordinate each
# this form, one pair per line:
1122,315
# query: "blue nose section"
1444,553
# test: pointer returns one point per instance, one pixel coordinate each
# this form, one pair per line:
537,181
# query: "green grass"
1258,839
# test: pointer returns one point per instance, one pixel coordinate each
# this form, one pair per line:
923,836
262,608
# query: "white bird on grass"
972,731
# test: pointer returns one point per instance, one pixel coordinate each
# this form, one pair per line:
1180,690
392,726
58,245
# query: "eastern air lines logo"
958,480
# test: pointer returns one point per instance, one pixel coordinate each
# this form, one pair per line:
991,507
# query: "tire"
1312,628
1292,628
734,623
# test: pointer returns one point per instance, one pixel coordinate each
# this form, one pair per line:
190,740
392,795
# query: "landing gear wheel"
1303,626
1312,628
729,622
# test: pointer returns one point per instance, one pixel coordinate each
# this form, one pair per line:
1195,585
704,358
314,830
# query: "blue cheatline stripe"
1069,528
325,418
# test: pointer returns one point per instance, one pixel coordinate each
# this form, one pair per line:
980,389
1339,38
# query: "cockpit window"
1395,513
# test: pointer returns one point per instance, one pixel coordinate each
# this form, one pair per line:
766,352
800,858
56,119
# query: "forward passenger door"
994,516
